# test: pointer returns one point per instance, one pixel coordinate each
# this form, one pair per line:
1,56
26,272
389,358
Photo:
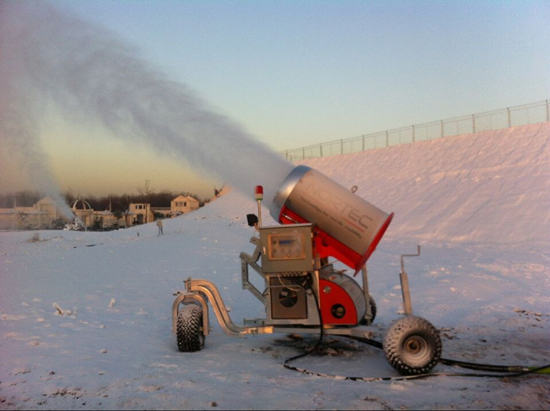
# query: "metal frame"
184,298
202,292
252,261
368,308
404,278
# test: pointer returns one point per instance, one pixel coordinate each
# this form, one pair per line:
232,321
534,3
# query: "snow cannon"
300,288
347,227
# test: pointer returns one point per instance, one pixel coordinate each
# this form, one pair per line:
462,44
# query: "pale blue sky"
300,72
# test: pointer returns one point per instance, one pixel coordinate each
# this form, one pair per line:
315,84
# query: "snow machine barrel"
347,227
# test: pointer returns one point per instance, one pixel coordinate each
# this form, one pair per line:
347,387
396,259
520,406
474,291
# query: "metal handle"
404,278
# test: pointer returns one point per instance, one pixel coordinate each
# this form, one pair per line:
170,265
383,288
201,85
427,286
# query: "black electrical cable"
309,286
499,371
515,369
487,367
419,376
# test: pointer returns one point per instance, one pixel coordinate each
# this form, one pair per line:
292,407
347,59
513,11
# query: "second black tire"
412,345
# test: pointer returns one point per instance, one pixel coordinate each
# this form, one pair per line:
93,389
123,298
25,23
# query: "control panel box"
287,248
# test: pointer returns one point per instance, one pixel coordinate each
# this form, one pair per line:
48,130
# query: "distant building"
21,218
141,213
47,205
106,220
183,204
98,220
84,211
43,214
165,212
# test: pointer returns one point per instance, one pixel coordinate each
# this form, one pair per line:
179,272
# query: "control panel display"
286,246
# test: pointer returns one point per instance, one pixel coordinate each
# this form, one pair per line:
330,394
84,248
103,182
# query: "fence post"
321,150
442,128
413,133
547,110
341,146
473,123
303,153
509,117
387,138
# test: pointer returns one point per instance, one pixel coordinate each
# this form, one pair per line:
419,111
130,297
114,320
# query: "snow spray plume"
19,136
92,75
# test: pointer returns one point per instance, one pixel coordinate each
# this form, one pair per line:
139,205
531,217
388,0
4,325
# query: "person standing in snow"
159,225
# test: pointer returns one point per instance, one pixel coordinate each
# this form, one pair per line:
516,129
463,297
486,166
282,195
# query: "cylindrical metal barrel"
349,227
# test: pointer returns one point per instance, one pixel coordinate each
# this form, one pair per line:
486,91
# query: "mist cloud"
49,56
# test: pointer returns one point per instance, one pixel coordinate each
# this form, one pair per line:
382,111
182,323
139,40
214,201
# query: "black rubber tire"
189,329
372,310
412,345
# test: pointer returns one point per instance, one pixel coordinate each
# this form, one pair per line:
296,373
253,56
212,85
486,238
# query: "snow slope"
85,317
492,186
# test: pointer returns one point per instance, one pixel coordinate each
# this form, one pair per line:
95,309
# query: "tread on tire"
412,345
189,329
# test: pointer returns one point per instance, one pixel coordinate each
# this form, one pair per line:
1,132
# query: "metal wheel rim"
416,350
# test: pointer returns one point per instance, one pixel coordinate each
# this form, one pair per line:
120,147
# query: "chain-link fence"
490,120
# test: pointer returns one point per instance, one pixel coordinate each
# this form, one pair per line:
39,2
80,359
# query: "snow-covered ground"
85,317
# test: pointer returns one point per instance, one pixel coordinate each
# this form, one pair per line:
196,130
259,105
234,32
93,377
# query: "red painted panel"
331,295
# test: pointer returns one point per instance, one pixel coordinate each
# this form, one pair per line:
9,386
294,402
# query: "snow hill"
85,316
490,187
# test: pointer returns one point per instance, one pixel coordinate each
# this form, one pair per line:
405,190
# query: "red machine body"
341,299
347,227
328,246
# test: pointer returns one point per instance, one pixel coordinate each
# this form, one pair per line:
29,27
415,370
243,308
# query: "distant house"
47,205
43,214
21,218
183,204
106,220
141,213
7,219
165,212
100,220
